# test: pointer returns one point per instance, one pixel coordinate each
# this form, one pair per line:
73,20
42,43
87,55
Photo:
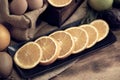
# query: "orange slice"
65,41
80,38
50,49
102,28
92,34
59,3
28,56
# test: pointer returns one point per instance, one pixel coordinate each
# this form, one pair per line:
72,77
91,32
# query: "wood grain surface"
104,64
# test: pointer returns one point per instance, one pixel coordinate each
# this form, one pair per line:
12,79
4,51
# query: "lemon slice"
102,28
65,41
92,34
59,3
28,56
80,38
50,49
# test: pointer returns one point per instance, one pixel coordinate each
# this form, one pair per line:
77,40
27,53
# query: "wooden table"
104,64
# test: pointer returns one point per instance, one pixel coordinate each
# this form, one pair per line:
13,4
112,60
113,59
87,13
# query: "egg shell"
6,64
35,4
4,37
18,7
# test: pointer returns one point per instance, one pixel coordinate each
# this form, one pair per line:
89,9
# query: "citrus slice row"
50,49
102,28
28,56
60,44
80,38
65,41
92,34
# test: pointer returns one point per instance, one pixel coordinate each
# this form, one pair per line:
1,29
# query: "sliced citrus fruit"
80,38
50,49
102,28
28,56
92,34
59,3
65,41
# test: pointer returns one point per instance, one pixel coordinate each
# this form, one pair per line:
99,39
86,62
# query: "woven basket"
23,26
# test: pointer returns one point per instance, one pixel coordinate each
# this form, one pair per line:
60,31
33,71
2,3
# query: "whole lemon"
100,5
4,37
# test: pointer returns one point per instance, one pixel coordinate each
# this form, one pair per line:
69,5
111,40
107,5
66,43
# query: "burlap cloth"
24,25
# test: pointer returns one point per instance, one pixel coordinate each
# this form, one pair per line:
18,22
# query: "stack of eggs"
19,7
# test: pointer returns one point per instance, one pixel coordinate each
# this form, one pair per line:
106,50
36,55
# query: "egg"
18,7
4,37
35,4
6,64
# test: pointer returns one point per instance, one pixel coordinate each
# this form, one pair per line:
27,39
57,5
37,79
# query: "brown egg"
35,4
4,37
6,64
18,7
